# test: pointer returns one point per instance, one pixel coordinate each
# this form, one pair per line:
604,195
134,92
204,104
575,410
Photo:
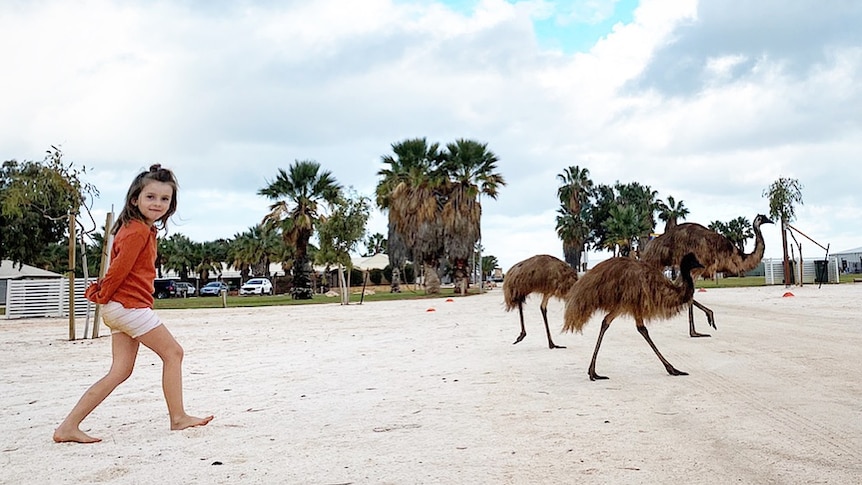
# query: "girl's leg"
124,350
169,350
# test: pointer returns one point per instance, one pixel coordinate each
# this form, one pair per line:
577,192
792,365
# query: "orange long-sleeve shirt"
129,279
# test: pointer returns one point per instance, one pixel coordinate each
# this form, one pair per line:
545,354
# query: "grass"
275,300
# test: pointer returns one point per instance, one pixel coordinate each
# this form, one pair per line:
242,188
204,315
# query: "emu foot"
552,346
675,372
520,337
696,334
596,377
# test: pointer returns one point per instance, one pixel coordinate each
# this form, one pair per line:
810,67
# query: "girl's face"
154,200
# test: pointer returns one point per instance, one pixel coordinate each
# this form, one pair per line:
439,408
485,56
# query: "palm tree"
783,194
470,169
625,226
671,212
297,193
209,256
253,250
375,244
410,190
573,231
574,193
489,263
177,253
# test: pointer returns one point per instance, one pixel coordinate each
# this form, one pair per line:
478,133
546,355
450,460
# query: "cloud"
707,102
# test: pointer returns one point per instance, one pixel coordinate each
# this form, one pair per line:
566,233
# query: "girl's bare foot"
73,436
189,422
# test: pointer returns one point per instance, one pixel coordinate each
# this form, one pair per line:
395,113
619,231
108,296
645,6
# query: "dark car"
164,289
213,288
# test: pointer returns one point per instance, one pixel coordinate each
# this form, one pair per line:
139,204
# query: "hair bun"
155,167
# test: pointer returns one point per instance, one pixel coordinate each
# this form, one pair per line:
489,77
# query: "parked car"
164,288
256,286
213,288
185,289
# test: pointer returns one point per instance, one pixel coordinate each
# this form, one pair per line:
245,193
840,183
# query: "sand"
389,392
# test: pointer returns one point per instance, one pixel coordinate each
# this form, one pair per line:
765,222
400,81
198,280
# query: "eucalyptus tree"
340,233
36,201
574,193
411,190
470,171
298,193
783,194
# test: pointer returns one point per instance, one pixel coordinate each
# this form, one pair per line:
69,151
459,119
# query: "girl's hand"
92,292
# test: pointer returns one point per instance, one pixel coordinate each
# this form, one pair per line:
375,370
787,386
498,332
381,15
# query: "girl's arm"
129,250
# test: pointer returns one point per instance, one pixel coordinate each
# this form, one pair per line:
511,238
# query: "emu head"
761,219
689,262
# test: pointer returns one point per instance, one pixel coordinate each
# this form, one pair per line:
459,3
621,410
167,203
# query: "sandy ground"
393,393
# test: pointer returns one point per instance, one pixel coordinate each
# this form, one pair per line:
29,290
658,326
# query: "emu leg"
592,371
670,369
691,331
710,318
551,344
523,330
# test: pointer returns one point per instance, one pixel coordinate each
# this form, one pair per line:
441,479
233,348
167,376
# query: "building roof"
11,271
849,251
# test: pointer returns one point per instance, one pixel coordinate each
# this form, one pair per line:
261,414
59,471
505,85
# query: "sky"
707,102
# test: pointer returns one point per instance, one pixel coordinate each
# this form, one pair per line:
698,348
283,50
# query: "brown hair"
130,211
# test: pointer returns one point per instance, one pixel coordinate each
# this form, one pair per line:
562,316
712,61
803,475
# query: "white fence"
45,298
774,268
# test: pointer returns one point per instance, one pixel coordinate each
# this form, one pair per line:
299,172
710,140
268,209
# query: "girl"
126,293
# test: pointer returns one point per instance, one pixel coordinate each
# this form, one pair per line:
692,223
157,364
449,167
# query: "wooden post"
71,275
784,249
103,266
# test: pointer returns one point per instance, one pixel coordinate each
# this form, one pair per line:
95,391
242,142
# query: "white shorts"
133,322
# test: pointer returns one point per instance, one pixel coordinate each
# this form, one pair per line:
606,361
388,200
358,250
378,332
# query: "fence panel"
45,298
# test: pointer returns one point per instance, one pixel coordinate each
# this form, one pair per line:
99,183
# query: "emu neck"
687,283
753,259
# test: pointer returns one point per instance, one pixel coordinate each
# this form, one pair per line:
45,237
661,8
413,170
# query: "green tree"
624,227
340,233
783,194
252,251
644,202
411,190
574,193
209,257
177,253
597,213
470,169
738,231
36,200
671,212
489,262
298,193
375,244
